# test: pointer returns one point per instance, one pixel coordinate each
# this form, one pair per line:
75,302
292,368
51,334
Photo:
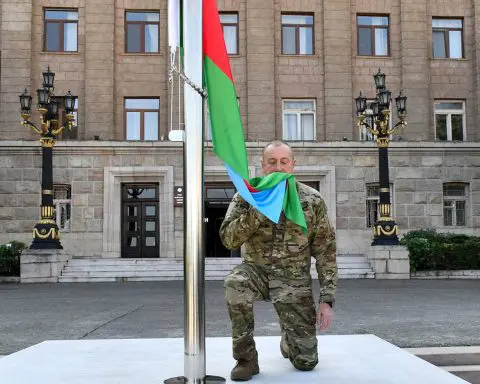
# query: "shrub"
430,250
10,258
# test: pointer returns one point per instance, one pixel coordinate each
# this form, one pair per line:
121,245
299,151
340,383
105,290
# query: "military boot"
245,369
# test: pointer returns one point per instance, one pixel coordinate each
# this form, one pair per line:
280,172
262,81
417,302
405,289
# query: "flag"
175,31
270,194
174,24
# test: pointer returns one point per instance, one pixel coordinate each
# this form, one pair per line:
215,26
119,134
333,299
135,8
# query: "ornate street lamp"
385,230
45,233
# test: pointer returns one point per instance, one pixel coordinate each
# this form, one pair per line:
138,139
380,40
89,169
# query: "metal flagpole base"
206,380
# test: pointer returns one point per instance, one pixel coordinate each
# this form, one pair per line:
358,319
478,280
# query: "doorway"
217,199
140,214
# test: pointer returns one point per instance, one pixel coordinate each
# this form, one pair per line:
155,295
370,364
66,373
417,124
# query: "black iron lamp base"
207,380
45,236
385,233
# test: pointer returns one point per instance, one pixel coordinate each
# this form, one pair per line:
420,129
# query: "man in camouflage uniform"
276,267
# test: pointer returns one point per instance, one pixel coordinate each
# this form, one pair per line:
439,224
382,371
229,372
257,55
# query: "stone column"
260,70
416,67
16,57
99,68
338,69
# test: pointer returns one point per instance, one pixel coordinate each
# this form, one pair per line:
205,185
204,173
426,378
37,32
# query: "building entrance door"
217,200
140,221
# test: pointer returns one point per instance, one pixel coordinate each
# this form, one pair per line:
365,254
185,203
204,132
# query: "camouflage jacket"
283,249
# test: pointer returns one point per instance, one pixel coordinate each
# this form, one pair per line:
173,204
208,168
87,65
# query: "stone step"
179,267
93,279
469,373
367,275
112,273
467,355
155,261
462,361
171,275
116,269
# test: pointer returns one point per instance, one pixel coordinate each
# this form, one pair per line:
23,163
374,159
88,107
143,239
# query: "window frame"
455,199
297,32
62,23
63,121
57,204
446,34
142,117
142,31
237,30
372,34
449,113
364,131
299,114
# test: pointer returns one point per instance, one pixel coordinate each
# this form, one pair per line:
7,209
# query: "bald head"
277,157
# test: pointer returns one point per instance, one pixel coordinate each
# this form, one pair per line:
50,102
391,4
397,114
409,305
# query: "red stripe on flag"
213,40
250,188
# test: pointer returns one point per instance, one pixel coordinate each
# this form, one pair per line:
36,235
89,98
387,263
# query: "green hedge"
430,250
10,258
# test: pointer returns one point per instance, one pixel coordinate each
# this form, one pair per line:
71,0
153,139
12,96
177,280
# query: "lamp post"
45,233
385,230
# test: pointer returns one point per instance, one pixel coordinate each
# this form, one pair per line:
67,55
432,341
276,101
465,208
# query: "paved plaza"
410,313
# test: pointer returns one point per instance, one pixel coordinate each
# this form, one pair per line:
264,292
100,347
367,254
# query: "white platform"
359,359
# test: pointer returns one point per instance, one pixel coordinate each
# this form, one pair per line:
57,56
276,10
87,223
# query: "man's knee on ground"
303,354
304,364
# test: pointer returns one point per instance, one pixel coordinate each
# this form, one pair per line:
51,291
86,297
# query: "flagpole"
194,263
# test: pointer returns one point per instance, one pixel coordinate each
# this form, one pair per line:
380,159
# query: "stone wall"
342,169
102,74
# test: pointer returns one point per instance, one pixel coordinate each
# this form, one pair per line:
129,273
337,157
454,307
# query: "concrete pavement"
410,313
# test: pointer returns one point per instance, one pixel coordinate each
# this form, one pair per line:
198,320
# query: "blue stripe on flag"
268,202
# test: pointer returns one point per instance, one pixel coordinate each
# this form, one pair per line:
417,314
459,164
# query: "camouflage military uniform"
276,267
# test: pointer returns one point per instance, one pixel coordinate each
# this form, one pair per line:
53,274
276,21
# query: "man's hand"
324,316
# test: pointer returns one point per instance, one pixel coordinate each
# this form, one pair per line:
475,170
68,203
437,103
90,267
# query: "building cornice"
93,147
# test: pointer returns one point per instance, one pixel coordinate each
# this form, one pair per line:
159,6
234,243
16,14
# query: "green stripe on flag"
227,131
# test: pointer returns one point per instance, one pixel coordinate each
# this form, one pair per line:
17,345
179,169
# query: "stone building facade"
304,60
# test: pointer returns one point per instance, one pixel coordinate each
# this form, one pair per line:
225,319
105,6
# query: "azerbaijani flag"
270,194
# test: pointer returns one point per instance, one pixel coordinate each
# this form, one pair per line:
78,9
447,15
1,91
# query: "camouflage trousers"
293,302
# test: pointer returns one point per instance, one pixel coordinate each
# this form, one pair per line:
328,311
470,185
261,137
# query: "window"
373,202
447,38
67,134
299,120
60,34
373,35
365,134
142,32
454,204
230,31
450,121
297,35
141,119
62,206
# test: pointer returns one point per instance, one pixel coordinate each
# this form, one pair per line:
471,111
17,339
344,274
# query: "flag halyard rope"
198,89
